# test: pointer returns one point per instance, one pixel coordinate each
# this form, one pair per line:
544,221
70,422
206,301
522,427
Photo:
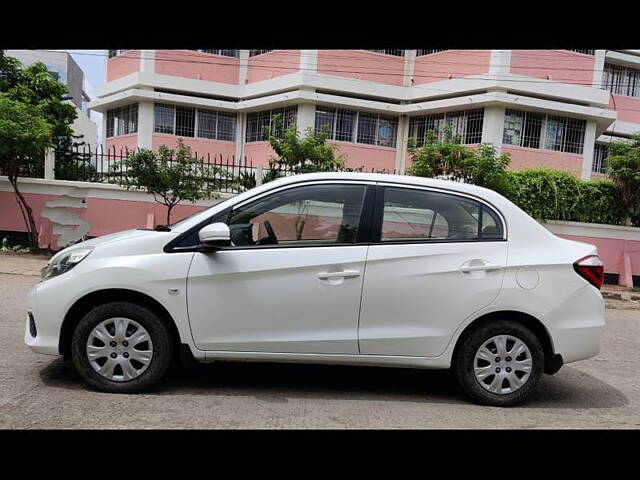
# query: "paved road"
38,391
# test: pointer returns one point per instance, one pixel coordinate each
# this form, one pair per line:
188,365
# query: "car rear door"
436,257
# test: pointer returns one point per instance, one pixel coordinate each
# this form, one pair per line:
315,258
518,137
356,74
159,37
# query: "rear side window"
416,215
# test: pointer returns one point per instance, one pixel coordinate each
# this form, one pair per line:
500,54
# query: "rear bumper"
576,325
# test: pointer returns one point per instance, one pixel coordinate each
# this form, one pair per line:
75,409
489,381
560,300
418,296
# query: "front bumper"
47,322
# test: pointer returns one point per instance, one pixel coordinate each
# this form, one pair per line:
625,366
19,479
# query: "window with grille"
226,53
258,123
253,53
194,122
115,53
621,80
465,123
122,120
586,52
419,53
358,127
549,132
600,153
395,52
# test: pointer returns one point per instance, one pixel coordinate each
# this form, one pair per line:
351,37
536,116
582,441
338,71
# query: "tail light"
591,269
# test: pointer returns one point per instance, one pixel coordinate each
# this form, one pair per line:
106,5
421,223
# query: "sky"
92,63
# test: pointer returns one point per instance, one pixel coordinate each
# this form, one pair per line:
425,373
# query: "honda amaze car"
339,268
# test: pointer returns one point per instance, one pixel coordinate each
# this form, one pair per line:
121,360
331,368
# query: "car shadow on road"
278,382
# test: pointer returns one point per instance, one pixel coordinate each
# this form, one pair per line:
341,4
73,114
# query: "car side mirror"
215,236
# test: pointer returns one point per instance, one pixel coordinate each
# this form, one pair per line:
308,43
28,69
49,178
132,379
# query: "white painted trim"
93,190
493,126
623,128
598,68
595,230
145,124
627,59
500,62
587,149
148,61
243,71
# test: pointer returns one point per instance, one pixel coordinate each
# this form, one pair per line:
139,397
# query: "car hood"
112,238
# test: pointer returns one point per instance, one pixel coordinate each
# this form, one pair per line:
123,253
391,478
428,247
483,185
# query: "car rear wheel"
121,348
499,363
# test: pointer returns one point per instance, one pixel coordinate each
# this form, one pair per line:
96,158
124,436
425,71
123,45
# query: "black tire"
160,338
463,363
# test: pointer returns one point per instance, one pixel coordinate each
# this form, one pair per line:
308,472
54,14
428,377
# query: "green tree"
623,167
170,176
34,85
24,135
449,159
298,154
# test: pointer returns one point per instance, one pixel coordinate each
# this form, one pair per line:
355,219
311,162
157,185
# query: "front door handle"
486,266
343,274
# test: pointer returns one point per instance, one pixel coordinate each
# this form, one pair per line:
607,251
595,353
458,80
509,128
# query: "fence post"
258,175
50,164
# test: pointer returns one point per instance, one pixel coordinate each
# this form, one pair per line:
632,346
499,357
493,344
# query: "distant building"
64,68
554,108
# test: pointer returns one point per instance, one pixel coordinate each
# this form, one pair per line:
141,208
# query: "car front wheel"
499,363
121,347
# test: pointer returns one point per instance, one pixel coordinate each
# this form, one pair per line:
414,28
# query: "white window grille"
466,123
253,53
600,154
549,132
194,122
586,52
621,80
122,120
226,53
395,52
357,127
115,53
419,53
259,122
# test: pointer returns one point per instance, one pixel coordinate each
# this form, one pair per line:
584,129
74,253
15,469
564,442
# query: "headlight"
64,262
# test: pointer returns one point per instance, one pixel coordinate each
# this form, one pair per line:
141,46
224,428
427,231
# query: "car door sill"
442,361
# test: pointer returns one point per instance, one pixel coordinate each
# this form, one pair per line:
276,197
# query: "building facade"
554,108
65,69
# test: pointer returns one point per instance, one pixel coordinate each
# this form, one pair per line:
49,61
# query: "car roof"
392,178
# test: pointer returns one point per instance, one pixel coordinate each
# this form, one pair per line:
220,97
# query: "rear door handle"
465,268
343,274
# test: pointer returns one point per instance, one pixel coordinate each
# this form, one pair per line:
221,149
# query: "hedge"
548,194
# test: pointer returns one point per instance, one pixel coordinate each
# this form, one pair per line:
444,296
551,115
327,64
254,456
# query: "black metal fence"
225,174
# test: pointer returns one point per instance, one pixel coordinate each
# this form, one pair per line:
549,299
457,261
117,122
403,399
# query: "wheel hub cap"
119,349
502,364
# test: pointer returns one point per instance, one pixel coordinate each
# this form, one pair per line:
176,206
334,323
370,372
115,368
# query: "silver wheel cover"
119,349
502,364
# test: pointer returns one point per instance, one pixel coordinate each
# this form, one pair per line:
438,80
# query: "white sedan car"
341,268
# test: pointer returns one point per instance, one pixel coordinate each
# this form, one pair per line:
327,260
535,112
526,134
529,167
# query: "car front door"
291,282
436,258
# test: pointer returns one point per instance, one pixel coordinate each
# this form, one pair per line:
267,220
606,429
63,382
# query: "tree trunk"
169,207
28,217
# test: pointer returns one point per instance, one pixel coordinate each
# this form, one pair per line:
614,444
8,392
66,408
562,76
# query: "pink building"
556,108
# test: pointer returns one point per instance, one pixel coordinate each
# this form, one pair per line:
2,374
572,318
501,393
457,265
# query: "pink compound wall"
197,65
201,146
123,65
273,64
450,64
113,215
557,65
522,158
362,65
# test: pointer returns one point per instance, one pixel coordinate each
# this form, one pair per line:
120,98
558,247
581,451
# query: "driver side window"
312,214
